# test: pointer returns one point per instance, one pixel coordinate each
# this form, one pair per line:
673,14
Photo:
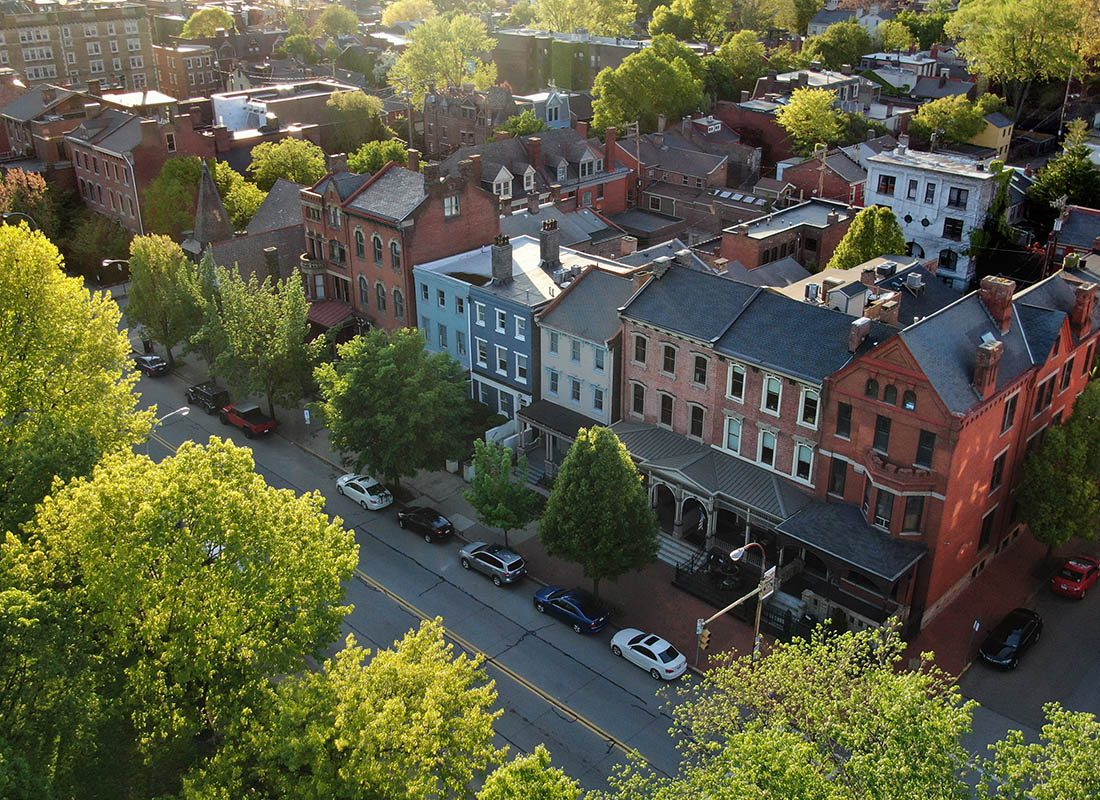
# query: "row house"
551,107
924,436
36,123
188,70
464,117
808,232
868,16
831,175
364,234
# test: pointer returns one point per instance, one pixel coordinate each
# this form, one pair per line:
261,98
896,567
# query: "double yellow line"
611,739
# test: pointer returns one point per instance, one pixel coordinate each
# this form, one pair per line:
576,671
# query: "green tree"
372,156
670,22
207,22
302,47
745,56
169,206
811,118
895,35
598,514
266,328
93,238
27,193
523,14
337,21
295,160
955,118
524,124
202,316
408,11
242,202
1018,42
445,51
874,232
66,391
601,17
529,777
393,404
842,43
698,20
414,722
157,300
499,492
644,86
1063,763
927,27
1071,175
784,59
795,15
356,118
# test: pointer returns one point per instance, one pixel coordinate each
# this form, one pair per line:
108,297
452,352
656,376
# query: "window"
575,350
914,511
364,292
844,420
766,455
502,321
529,181
482,352
451,205
597,399
503,188
575,390
380,292
1044,395
170,142
886,184
803,461
460,305
987,530
442,337
1067,373
871,389
667,403
909,400
998,476
953,229
695,429
668,359
1009,415
360,245
884,508
911,191
424,291
521,329
637,399
699,374
838,476
733,434
929,193
890,395
440,297
555,380
521,368
94,49
376,248
956,198
460,342
502,360
926,445
479,313
949,259
808,414
599,357
735,385
555,342
640,344
882,434
395,254
137,62
773,387
588,167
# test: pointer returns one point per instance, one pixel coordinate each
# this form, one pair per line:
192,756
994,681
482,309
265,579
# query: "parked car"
1012,636
207,395
495,560
152,365
652,653
1076,577
575,606
364,490
247,417
428,522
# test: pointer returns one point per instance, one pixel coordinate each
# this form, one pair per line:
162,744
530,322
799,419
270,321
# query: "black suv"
208,395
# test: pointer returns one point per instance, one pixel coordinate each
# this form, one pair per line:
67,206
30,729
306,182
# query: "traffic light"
704,639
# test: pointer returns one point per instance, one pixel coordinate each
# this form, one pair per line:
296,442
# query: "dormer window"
588,166
561,172
529,180
502,188
552,112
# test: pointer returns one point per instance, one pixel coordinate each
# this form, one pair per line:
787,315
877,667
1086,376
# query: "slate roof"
674,153
212,223
393,193
247,252
1056,294
831,17
783,272
113,130
552,417
280,209
840,530
917,304
928,86
690,302
669,249
346,183
587,309
1079,227
999,120
31,106
713,471
577,227
643,222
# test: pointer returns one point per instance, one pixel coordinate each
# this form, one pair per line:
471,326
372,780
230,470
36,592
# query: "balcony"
308,265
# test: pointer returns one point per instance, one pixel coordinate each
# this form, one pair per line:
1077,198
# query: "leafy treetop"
207,22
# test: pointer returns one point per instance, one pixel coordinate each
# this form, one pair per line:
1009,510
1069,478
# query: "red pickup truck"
247,417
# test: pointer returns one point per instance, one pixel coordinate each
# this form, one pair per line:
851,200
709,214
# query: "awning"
840,530
554,418
330,314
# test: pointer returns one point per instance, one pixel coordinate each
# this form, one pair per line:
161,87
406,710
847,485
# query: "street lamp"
737,555
701,624
12,214
182,411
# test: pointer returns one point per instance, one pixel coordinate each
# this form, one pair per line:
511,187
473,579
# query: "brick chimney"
582,128
474,178
1084,303
501,255
271,261
628,245
49,94
610,136
986,361
867,276
413,160
95,88
533,202
549,245
504,206
889,313
336,162
996,293
534,151
857,333
832,218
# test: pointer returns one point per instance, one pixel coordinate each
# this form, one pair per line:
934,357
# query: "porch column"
712,523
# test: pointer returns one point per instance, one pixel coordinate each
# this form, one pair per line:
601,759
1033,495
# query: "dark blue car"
574,606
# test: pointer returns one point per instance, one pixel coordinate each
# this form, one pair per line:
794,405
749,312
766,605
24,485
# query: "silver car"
495,560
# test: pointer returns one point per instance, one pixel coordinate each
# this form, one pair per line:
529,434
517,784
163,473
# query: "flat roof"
812,212
937,162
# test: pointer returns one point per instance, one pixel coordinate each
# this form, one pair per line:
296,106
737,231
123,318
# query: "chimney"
95,87
431,177
745,95
1084,302
413,160
336,162
683,257
92,110
501,254
845,69
610,136
582,128
628,245
903,145
504,206
271,261
550,245
868,276
996,293
857,333
534,151
889,313
1029,170
555,193
986,362
466,170
222,139
533,202
830,284
832,218
473,177
662,120
49,94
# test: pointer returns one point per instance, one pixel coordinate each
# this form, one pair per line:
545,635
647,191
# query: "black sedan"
152,365
1015,634
428,522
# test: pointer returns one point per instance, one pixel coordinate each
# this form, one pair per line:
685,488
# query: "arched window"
909,401
890,395
395,254
360,244
364,292
376,243
380,291
398,304
872,388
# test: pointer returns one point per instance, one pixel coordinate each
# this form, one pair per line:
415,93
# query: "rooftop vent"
886,269
812,292
988,337
914,282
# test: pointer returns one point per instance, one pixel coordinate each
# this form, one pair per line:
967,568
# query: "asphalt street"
556,687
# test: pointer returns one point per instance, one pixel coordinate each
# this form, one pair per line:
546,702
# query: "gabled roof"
673,248
586,309
673,153
689,302
31,105
393,193
998,120
1079,226
930,86
280,209
783,272
113,130
345,183
582,226
212,222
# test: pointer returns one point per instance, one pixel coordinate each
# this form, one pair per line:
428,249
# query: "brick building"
532,60
36,123
808,232
188,70
755,121
464,117
837,176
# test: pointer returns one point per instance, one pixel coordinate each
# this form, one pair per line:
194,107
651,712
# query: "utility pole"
1065,101
821,151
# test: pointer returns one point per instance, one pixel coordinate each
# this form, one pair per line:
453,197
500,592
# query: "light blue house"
551,106
443,302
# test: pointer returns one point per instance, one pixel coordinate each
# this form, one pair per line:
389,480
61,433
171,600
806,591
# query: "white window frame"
576,390
554,342
760,448
598,401
799,447
501,321
764,395
553,382
521,368
479,313
502,359
599,359
521,328
481,352
730,423
806,391
739,370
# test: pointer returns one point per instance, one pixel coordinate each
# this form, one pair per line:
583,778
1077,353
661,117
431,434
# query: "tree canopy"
894,35
927,27
169,206
529,777
302,47
842,43
336,21
27,193
744,55
1071,175
598,514
372,156
795,15
498,494
697,20
524,124
356,118
295,160
445,51
810,119
408,11
207,22
645,86
874,232
955,118
601,17
157,300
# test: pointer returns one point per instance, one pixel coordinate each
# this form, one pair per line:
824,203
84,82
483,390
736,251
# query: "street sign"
306,413
767,584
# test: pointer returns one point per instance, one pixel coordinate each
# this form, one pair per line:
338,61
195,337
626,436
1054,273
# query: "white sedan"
652,653
365,491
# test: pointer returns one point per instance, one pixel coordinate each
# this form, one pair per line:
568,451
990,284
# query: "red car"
1076,576
247,417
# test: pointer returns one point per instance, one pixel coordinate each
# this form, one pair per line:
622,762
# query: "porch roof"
554,418
711,471
840,530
